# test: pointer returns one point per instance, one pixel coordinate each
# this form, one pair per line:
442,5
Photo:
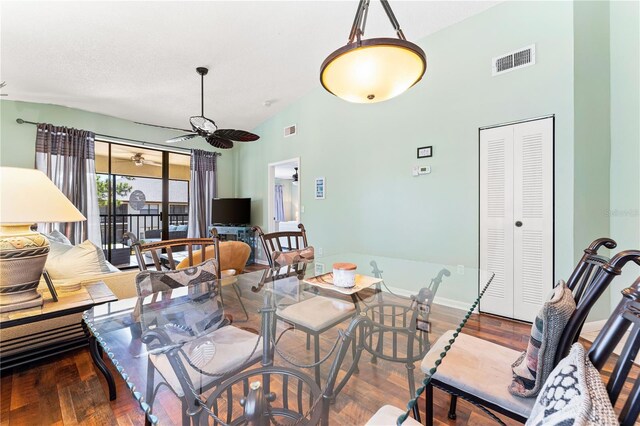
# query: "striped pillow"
533,367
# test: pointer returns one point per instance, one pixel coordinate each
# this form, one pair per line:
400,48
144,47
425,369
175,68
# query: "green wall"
591,120
17,141
366,152
625,134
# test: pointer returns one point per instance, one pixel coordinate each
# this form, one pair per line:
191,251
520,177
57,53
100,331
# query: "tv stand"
242,233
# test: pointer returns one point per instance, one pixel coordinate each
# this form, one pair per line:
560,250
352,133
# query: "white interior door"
516,216
496,218
533,212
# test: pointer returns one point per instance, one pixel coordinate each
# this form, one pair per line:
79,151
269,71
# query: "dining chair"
404,323
230,257
162,253
314,315
194,350
624,321
480,372
276,395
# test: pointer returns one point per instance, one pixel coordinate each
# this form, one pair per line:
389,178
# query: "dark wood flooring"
68,390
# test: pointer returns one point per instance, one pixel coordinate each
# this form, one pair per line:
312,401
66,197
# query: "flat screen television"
231,211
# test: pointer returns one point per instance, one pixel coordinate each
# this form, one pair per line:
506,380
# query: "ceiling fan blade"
219,142
182,138
236,135
162,127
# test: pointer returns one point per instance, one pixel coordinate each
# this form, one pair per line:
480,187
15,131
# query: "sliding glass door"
143,195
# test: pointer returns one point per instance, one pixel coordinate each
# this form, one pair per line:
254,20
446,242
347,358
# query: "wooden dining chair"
315,315
479,371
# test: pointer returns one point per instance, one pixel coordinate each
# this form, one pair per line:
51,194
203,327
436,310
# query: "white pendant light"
376,69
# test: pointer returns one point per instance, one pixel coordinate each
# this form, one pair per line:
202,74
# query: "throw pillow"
76,261
532,368
149,282
58,237
573,395
282,258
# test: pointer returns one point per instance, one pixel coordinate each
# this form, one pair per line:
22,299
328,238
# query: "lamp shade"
373,70
29,196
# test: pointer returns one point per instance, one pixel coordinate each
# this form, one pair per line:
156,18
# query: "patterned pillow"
282,258
532,368
149,282
573,395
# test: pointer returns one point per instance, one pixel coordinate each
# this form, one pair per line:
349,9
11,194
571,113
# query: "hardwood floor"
68,390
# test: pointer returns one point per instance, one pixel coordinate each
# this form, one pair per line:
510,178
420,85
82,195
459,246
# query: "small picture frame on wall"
320,188
425,151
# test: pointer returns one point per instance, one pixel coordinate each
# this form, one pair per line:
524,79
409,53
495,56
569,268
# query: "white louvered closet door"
521,252
533,209
496,218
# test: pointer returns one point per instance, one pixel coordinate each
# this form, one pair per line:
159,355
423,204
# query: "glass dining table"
309,352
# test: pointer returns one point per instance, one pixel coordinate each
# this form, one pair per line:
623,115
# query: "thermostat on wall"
421,170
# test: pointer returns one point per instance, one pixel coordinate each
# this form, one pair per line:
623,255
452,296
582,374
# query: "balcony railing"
138,224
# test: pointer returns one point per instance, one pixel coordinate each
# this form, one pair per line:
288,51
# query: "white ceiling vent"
511,61
290,131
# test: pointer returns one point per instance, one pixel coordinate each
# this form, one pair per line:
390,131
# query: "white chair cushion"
232,347
479,367
388,416
317,312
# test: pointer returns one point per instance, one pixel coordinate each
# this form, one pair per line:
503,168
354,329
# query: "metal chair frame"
403,322
296,240
588,281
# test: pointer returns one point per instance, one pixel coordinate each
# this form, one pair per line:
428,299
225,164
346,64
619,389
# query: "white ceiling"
136,60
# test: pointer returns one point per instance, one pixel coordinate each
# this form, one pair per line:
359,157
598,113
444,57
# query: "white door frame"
271,180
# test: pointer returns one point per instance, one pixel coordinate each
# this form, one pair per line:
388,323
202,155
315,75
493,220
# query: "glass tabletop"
287,342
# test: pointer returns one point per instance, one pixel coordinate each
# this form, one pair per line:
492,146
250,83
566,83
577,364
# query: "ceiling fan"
207,128
139,161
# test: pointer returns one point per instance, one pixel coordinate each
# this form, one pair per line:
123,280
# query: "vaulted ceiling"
136,60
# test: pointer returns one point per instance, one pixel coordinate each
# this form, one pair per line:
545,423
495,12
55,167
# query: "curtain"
202,190
68,158
279,203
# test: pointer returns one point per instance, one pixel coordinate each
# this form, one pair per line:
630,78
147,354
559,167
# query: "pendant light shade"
372,70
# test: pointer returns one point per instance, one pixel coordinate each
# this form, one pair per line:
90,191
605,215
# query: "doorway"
140,191
284,195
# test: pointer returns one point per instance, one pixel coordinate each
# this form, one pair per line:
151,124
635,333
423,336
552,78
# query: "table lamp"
27,196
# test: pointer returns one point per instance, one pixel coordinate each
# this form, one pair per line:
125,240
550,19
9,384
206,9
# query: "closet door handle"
518,224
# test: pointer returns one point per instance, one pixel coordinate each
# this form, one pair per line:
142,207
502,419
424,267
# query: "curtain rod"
123,141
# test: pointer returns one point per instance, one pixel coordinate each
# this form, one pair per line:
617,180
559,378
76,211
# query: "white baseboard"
261,262
438,300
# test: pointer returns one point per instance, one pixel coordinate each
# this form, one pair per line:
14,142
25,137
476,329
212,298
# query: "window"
150,209
178,208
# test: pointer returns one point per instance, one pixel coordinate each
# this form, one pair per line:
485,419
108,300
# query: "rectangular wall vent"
290,131
511,61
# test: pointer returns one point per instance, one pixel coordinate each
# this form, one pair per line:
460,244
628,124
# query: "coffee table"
370,357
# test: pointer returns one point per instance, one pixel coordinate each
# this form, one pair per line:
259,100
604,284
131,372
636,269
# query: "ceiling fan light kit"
372,70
